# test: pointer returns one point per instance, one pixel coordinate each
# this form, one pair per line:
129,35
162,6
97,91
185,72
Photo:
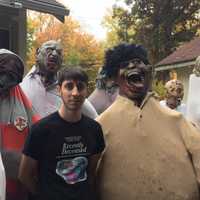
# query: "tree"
79,47
111,24
160,25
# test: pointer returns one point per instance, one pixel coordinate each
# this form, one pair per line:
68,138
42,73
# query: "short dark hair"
73,73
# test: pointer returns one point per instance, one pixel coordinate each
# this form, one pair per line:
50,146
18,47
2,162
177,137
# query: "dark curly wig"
122,53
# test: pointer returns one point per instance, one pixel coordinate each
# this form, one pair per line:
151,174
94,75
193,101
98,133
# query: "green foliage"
160,25
30,35
92,74
73,58
159,88
79,47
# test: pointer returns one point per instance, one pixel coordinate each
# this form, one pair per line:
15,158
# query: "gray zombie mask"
106,83
7,81
11,71
49,57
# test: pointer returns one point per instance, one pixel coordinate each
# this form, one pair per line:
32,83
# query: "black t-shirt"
63,150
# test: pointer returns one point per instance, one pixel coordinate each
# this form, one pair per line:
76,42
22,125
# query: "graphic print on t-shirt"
72,170
73,163
73,146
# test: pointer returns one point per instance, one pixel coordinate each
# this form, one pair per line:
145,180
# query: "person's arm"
92,170
92,174
95,159
11,160
28,173
89,110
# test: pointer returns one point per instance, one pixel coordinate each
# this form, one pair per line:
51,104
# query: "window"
4,39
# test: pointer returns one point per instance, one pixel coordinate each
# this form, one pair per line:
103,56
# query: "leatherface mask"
11,72
49,57
135,79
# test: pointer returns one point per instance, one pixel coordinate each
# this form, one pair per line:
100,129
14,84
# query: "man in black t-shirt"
62,150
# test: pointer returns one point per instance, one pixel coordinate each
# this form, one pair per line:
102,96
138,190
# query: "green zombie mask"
49,57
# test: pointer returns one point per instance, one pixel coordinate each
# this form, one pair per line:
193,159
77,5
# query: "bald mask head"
11,70
49,57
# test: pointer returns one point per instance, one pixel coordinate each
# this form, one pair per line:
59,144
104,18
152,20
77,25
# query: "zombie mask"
174,88
49,57
11,70
106,83
134,78
174,93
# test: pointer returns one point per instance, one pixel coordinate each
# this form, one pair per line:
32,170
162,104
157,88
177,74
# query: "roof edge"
175,65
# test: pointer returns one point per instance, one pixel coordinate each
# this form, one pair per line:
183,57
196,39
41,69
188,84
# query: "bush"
159,88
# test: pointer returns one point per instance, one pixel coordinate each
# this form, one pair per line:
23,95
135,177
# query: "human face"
50,57
73,94
133,80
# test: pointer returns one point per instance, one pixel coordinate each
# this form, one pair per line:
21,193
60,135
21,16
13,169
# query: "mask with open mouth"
135,76
49,57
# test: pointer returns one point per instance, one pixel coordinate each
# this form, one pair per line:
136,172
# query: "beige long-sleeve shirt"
152,153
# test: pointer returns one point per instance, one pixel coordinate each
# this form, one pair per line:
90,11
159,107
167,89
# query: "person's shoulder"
42,123
90,121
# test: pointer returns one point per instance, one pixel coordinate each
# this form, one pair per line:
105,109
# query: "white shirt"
181,108
2,180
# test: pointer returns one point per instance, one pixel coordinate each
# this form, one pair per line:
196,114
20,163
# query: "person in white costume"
193,99
104,94
2,180
174,96
40,84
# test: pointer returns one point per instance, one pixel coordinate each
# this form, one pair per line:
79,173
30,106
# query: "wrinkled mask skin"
135,79
49,57
7,81
174,88
110,86
106,83
11,72
174,93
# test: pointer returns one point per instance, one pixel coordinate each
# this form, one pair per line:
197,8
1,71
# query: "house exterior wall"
14,21
182,74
